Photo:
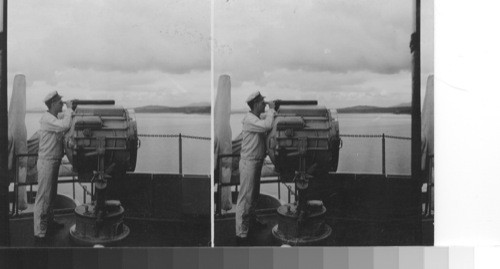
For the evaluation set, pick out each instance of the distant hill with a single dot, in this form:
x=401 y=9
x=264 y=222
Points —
x=200 y=104
x=167 y=109
x=190 y=109
x=399 y=109
x=203 y=108
x=375 y=109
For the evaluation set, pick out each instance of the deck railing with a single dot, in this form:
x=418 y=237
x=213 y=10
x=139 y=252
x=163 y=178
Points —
x=73 y=178
x=383 y=137
x=278 y=181
x=179 y=137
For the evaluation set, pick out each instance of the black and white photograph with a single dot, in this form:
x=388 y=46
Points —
x=245 y=133
x=323 y=123
x=108 y=124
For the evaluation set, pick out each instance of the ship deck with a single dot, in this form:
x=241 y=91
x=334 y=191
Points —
x=362 y=210
x=161 y=210
x=345 y=232
x=143 y=233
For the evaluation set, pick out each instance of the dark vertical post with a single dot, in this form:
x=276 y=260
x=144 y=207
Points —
x=416 y=121
x=415 y=116
x=218 y=204
x=4 y=179
x=289 y=193
x=84 y=194
x=383 y=154
x=180 y=154
x=279 y=189
x=15 y=206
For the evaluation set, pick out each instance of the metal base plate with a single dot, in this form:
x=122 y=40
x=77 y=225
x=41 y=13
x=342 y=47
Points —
x=303 y=241
x=90 y=241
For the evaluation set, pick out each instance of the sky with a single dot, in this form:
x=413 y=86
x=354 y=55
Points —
x=154 y=52
x=342 y=53
x=158 y=52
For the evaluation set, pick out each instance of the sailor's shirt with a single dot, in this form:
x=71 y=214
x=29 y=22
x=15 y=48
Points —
x=51 y=135
x=253 y=145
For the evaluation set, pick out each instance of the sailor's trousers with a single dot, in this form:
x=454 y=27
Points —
x=248 y=196
x=48 y=171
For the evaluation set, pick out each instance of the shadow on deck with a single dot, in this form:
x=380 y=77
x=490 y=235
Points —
x=161 y=210
x=143 y=233
x=363 y=210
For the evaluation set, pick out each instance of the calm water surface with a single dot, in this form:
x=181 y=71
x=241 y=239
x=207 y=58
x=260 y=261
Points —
x=361 y=155
x=358 y=155
x=162 y=154
x=364 y=155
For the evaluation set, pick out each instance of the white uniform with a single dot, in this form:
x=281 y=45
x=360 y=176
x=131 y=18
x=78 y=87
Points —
x=253 y=152
x=50 y=154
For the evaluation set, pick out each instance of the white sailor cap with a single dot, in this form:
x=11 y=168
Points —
x=54 y=96
x=254 y=96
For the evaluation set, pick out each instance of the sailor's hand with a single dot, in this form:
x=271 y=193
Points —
x=271 y=104
x=69 y=104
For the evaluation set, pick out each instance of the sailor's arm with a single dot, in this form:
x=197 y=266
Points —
x=59 y=125
x=269 y=118
x=261 y=126
x=66 y=121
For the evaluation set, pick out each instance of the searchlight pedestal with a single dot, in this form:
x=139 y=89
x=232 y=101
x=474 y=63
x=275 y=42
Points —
x=102 y=145
x=303 y=143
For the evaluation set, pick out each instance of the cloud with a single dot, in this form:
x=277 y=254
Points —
x=333 y=90
x=355 y=50
x=129 y=90
x=121 y=49
x=102 y=45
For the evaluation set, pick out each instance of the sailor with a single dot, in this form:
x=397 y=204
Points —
x=50 y=153
x=253 y=152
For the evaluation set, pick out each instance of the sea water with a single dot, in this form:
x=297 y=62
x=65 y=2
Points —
x=364 y=154
x=157 y=154
x=161 y=155
x=357 y=155
x=360 y=154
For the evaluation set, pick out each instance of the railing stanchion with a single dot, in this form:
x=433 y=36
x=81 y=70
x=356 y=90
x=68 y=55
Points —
x=219 y=199
x=84 y=194
x=383 y=154
x=15 y=206
x=74 y=194
x=279 y=189
x=289 y=198
x=218 y=205
x=296 y=193
x=180 y=153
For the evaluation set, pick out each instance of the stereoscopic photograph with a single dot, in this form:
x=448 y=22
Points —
x=323 y=123
x=108 y=117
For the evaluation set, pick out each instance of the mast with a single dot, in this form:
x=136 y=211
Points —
x=4 y=179
x=416 y=119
